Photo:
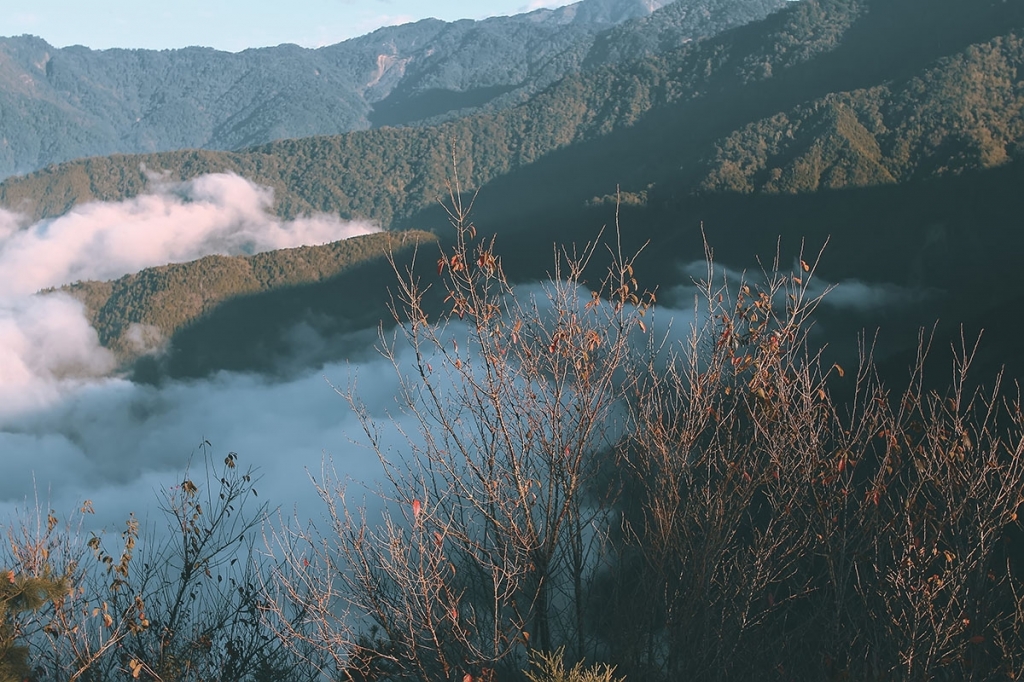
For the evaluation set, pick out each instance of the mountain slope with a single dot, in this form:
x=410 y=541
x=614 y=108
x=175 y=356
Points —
x=59 y=104
x=674 y=25
x=665 y=114
x=391 y=173
x=868 y=121
x=965 y=113
x=136 y=313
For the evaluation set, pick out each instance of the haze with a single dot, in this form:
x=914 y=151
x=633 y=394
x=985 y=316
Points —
x=232 y=25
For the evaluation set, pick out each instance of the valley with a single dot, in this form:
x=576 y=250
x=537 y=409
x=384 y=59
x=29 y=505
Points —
x=266 y=253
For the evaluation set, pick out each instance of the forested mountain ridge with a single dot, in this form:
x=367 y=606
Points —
x=819 y=100
x=715 y=90
x=60 y=104
x=137 y=313
x=674 y=25
x=965 y=113
x=390 y=173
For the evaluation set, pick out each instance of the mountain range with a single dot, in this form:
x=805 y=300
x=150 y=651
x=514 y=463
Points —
x=57 y=104
x=311 y=300
x=890 y=129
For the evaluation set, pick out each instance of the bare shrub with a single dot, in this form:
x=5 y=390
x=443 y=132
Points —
x=779 y=533
x=77 y=629
x=495 y=511
x=201 y=587
x=184 y=608
x=550 y=667
x=709 y=510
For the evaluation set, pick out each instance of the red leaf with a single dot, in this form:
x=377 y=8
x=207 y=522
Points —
x=417 y=507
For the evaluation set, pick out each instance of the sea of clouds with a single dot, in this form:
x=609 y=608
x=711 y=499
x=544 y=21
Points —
x=71 y=429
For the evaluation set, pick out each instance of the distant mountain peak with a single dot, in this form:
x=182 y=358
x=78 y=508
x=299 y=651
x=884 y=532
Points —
x=607 y=12
x=65 y=103
x=615 y=11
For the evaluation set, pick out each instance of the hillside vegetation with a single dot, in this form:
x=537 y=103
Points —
x=824 y=96
x=770 y=84
x=138 y=312
x=64 y=103
x=962 y=115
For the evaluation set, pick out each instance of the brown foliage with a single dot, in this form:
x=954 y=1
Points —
x=701 y=510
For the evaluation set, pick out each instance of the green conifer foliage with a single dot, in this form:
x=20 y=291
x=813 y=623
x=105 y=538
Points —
x=19 y=594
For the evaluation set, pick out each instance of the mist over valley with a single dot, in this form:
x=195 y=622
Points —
x=203 y=252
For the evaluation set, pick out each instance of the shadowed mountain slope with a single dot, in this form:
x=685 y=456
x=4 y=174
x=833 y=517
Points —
x=137 y=313
x=892 y=127
x=62 y=103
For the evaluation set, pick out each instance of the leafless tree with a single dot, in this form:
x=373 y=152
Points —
x=497 y=506
x=731 y=507
x=781 y=533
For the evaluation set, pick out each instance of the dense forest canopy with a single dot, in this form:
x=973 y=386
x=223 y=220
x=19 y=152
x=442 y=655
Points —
x=823 y=96
x=63 y=103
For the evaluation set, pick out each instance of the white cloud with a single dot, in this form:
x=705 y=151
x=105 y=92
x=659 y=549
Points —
x=47 y=349
x=852 y=294
x=212 y=214
x=70 y=429
x=864 y=296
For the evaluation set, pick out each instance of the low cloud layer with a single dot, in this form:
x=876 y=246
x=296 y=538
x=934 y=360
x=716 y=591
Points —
x=120 y=444
x=69 y=430
x=178 y=222
x=848 y=294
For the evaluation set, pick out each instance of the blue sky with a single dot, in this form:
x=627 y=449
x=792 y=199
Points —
x=231 y=24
